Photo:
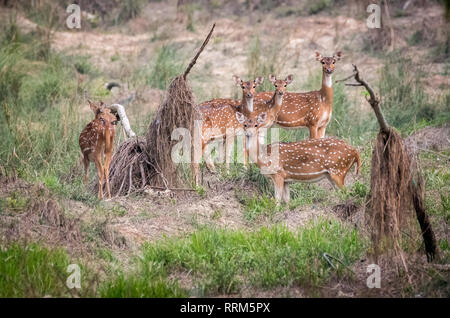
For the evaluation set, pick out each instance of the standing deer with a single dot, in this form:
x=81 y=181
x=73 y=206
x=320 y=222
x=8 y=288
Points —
x=218 y=118
x=96 y=139
x=303 y=161
x=218 y=121
x=311 y=109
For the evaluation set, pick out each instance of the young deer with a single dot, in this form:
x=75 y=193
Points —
x=303 y=161
x=96 y=139
x=311 y=109
x=218 y=118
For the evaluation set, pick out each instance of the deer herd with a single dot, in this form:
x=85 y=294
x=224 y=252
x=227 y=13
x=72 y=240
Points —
x=284 y=162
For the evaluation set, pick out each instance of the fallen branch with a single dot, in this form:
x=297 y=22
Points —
x=120 y=110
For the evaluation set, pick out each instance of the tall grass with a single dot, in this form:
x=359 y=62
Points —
x=33 y=271
x=264 y=59
x=164 y=68
x=404 y=98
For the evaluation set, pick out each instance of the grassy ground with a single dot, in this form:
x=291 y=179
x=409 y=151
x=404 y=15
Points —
x=42 y=111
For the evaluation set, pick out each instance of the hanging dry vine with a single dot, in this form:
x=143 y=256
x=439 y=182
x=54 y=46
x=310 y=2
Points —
x=396 y=184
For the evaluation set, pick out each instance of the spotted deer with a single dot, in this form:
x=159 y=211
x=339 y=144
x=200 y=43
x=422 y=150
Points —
x=312 y=109
x=303 y=161
x=219 y=121
x=96 y=140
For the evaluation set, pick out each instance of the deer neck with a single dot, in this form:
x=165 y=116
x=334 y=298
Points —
x=275 y=103
x=247 y=105
x=327 y=88
x=253 y=149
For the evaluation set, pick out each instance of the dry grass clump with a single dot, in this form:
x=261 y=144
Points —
x=147 y=161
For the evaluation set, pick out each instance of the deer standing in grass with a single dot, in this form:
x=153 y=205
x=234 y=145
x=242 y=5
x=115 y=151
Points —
x=311 y=109
x=303 y=161
x=96 y=140
x=219 y=120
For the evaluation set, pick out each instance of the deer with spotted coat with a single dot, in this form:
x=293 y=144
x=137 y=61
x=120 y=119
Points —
x=303 y=161
x=96 y=140
x=311 y=109
x=219 y=121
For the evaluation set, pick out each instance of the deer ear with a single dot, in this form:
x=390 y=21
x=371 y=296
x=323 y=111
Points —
x=289 y=79
x=318 y=56
x=259 y=80
x=94 y=107
x=262 y=118
x=102 y=106
x=272 y=78
x=240 y=117
x=237 y=80
x=337 y=56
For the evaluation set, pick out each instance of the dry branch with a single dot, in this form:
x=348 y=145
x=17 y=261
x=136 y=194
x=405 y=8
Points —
x=396 y=184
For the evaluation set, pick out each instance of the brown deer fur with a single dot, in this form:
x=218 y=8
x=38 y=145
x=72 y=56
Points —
x=304 y=161
x=311 y=109
x=96 y=139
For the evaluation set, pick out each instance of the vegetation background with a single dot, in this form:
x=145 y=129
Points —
x=228 y=237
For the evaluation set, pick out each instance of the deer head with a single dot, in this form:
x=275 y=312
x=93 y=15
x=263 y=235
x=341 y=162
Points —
x=280 y=88
x=328 y=62
x=103 y=114
x=248 y=90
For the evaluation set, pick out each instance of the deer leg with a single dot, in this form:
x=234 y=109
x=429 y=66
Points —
x=313 y=134
x=86 y=168
x=245 y=154
x=278 y=184
x=321 y=132
x=106 y=171
x=208 y=160
x=229 y=143
x=338 y=180
x=196 y=170
x=286 y=193
x=100 y=172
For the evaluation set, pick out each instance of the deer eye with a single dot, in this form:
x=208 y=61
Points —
x=285 y=85
x=276 y=86
x=256 y=126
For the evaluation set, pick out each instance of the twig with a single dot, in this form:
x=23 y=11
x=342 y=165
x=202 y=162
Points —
x=435 y=152
x=194 y=60
x=131 y=182
x=144 y=181
x=172 y=189
x=327 y=258
x=373 y=100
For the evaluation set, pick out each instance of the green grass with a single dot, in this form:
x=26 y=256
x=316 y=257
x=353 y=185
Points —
x=256 y=207
x=145 y=284
x=15 y=202
x=164 y=68
x=264 y=59
x=221 y=261
x=33 y=271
